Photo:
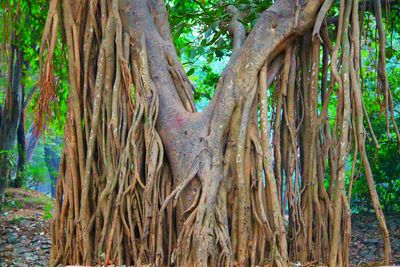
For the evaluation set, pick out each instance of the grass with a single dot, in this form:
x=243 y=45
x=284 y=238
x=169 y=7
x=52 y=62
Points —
x=30 y=200
x=16 y=219
x=48 y=211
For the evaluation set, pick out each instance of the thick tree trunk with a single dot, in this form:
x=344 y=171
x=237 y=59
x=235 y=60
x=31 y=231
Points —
x=194 y=143
x=148 y=180
x=10 y=115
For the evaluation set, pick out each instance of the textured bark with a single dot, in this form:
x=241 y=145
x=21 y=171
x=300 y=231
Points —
x=145 y=179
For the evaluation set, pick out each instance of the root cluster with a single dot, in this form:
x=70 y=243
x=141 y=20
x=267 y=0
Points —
x=256 y=178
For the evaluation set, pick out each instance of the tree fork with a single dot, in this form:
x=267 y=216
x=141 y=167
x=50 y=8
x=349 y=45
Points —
x=148 y=180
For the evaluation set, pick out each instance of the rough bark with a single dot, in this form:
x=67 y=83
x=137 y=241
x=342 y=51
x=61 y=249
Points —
x=145 y=179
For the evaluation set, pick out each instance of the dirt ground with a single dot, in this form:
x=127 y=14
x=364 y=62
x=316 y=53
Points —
x=366 y=244
x=24 y=230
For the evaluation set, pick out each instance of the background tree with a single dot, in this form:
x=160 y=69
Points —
x=145 y=179
x=22 y=27
x=10 y=112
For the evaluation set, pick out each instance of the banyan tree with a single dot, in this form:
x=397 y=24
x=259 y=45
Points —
x=255 y=178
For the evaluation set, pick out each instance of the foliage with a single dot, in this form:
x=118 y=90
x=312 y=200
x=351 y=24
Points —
x=9 y=159
x=200 y=33
x=199 y=28
x=48 y=210
x=36 y=171
x=27 y=19
x=385 y=160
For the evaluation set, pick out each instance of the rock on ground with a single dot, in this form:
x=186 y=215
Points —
x=24 y=234
x=366 y=243
x=24 y=242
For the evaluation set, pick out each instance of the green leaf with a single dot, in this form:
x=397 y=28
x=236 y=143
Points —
x=190 y=72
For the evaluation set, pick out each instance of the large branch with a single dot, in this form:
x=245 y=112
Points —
x=273 y=31
x=176 y=122
x=149 y=18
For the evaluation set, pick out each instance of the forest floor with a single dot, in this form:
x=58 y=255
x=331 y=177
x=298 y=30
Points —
x=366 y=244
x=24 y=229
x=25 y=237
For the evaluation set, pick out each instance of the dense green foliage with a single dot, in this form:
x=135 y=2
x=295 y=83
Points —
x=202 y=40
x=385 y=160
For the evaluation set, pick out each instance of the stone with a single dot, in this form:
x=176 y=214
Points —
x=7 y=247
x=12 y=238
x=21 y=250
x=6 y=254
x=30 y=257
x=370 y=257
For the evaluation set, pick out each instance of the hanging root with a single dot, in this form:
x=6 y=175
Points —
x=145 y=180
x=46 y=84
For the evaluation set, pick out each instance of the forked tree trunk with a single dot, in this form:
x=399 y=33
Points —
x=145 y=179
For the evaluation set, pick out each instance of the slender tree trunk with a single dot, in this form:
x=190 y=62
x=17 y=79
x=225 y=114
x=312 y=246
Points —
x=52 y=160
x=31 y=140
x=19 y=177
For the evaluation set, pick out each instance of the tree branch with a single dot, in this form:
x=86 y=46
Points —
x=274 y=29
x=30 y=95
x=236 y=28
x=167 y=73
